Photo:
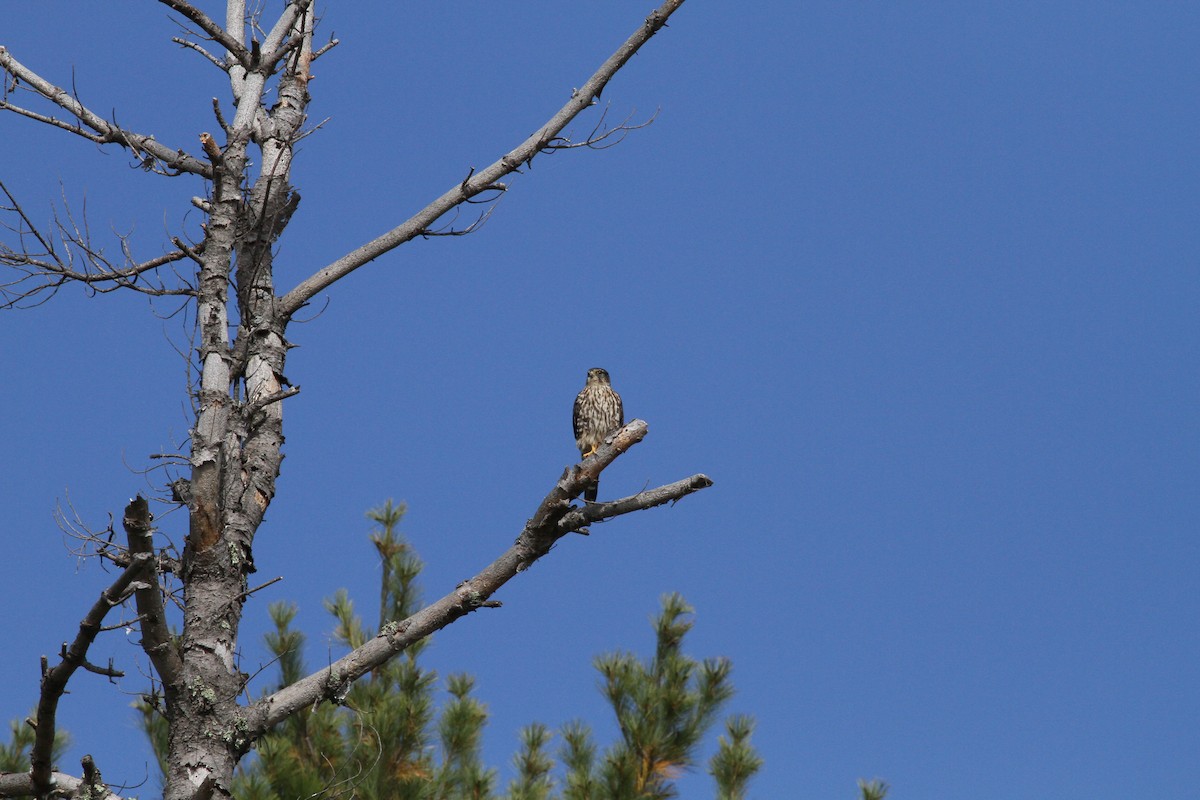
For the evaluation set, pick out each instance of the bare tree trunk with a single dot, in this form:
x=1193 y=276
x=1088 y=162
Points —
x=236 y=445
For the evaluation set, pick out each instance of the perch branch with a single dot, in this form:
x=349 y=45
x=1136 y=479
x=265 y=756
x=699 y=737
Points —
x=485 y=180
x=540 y=533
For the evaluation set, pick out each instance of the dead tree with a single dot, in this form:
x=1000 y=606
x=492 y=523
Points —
x=245 y=167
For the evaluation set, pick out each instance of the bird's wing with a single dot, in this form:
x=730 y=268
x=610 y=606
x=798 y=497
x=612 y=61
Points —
x=576 y=417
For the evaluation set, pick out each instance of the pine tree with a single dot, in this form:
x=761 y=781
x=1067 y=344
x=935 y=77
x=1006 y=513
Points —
x=390 y=741
x=874 y=789
x=736 y=760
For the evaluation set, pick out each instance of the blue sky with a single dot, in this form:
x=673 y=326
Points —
x=915 y=284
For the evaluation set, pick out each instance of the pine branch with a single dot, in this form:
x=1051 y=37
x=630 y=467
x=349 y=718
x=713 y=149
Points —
x=544 y=138
x=736 y=761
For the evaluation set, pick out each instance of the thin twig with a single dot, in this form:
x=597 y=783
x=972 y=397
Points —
x=260 y=587
x=179 y=40
x=44 y=270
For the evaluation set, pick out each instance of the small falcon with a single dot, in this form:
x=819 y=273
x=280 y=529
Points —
x=598 y=412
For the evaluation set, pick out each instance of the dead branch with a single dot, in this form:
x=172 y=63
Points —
x=175 y=160
x=545 y=137
x=54 y=681
x=548 y=524
x=41 y=267
x=578 y=519
x=325 y=48
x=53 y=121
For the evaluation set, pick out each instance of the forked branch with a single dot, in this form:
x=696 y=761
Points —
x=545 y=138
x=54 y=681
x=554 y=518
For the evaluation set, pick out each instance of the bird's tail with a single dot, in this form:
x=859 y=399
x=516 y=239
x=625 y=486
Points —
x=589 y=494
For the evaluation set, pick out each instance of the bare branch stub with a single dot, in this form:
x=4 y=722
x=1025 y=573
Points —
x=325 y=48
x=92 y=779
x=156 y=635
x=577 y=520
